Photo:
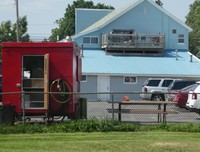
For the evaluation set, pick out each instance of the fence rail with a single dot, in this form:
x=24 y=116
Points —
x=97 y=107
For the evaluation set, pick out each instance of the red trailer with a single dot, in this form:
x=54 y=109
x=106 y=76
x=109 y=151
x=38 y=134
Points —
x=39 y=77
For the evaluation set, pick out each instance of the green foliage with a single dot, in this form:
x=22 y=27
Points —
x=193 y=20
x=88 y=126
x=9 y=129
x=66 y=25
x=8 y=31
x=94 y=125
x=184 y=128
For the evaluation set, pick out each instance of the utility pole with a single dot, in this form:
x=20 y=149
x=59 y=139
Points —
x=17 y=22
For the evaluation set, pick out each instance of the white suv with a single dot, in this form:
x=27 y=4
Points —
x=155 y=88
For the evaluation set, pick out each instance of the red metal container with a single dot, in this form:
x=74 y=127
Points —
x=37 y=69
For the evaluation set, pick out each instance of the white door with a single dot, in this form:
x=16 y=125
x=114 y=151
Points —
x=103 y=86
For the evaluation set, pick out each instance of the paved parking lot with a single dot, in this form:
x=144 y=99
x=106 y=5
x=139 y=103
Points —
x=98 y=110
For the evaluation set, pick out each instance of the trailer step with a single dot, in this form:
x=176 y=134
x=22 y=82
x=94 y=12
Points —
x=40 y=116
x=36 y=118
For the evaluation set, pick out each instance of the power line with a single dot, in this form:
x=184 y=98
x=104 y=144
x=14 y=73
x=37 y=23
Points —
x=39 y=34
x=41 y=24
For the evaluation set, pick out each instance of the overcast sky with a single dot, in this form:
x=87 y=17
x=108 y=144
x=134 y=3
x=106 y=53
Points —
x=42 y=14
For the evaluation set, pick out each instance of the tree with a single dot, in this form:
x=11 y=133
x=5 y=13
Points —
x=8 y=31
x=66 y=25
x=193 y=20
x=159 y=2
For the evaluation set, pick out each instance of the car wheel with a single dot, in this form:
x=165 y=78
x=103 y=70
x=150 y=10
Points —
x=157 y=97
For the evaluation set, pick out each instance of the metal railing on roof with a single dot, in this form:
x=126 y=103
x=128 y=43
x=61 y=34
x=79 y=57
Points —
x=133 y=42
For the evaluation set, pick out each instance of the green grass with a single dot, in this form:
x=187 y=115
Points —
x=150 y=141
x=99 y=136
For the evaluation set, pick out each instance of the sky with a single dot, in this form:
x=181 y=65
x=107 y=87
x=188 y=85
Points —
x=42 y=14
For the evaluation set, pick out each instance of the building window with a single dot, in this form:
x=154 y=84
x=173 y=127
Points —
x=86 y=40
x=84 y=78
x=181 y=38
x=94 y=40
x=90 y=40
x=143 y=38
x=128 y=79
x=174 y=31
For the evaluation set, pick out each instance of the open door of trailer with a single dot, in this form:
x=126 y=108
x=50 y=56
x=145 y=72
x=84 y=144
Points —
x=46 y=81
x=35 y=81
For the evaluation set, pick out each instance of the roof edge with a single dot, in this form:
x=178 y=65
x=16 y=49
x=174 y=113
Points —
x=144 y=75
x=126 y=9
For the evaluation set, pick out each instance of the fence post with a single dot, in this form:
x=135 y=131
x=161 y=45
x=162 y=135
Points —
x=112 y=106
x=23 y=105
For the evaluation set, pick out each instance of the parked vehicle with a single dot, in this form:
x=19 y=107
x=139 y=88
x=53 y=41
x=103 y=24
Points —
x=155 y=88
x=176 y=86
x=181 y=96
x=193 y=102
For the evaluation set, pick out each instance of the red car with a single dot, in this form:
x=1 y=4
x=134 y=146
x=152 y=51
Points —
x=182 y=96
x=176 y=86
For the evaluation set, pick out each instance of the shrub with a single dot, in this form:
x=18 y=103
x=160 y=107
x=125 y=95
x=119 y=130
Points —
x=93 y=125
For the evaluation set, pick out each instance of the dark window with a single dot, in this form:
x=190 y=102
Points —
x=174 y=31
x=153 y=83
x=86 y=40
x=181 y=38
x=181 y=84
x=166 y=83
x=129 y=79
x=133 y=79
x=90 y=40
x=181 y=41
x=143 y=38
x=94 y=40
x=122 y=31
x=191 y=87
x=84 y=78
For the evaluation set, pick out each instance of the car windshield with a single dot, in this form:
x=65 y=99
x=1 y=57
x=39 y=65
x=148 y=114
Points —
x=190 y=88
x=180 y=84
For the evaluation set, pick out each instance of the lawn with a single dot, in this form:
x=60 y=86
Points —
x=152 y=141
